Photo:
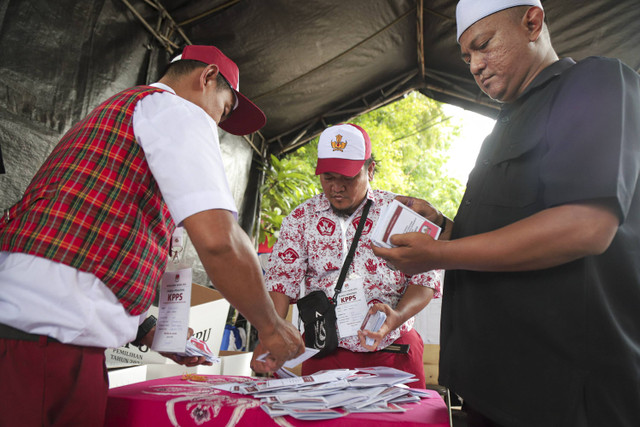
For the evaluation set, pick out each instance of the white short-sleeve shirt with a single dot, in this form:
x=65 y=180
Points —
x=181 y=146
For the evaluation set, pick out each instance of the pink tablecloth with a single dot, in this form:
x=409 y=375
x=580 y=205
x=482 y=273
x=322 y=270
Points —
x=175 y=402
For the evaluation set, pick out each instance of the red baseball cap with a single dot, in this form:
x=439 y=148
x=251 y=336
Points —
x=246 y=117
x=343 y=149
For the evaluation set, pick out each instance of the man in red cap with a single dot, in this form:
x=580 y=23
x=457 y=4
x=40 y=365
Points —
x=313 y=243
x=82 y=252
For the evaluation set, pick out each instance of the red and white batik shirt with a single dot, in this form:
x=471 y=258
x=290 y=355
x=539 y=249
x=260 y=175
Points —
x=311 y=248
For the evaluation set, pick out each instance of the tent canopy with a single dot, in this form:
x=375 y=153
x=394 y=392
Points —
x=309 y=64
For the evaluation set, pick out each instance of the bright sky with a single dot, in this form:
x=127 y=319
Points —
x=464 y=149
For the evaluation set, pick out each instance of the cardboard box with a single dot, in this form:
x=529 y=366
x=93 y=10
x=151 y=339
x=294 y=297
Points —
x=431 y=374
x=207 y=317
x=173 y=369
x=431 y=354
x=126 y=376
x=236 y=363
x=431 y=359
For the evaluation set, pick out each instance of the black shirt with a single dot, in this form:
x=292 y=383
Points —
x=546 y=347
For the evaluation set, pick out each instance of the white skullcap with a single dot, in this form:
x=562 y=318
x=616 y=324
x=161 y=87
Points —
x=469 y=12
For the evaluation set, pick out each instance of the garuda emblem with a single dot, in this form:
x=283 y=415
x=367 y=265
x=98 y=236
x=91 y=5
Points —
x=338 y=144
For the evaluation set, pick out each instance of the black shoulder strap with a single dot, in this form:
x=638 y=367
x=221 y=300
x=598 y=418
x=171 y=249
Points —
x=352 y=250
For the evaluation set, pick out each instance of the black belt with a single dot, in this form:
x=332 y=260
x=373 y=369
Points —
x=397 y=348
x=7 y=332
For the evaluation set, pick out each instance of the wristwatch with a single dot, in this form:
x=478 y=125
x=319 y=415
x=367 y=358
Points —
x=144 y=329
x=443 y=225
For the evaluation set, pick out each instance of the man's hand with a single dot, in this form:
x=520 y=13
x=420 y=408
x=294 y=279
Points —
x=428 y=211
x=187 y=360
x=390 y=324
x=415 y=253
x=257 y=365
x=423 y=207
x=546 y=239
x=181 y=360
x=283 y=342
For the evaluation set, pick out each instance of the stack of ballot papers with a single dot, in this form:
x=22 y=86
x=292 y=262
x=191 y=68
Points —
x=333 y=393
x=373 y=323
x=397 y=218
x=197 y=347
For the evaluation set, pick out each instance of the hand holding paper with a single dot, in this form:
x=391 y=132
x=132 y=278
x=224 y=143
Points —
x=308 y=353
x=422 y=207
x=197 y=347
x=284 y=344
x=196 y=353
x=397 y=218
x=413 y=253
x=374 y=327
x=373 y=322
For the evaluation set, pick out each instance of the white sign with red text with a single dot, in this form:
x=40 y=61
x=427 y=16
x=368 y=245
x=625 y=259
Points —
x=173 y=312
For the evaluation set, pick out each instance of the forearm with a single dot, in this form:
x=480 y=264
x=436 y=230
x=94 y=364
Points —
x=448 y=226
x=549 y=238
x=281 y=303
x=415 y=298
x=232 y=264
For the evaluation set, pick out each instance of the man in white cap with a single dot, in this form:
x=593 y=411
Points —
x=82 y=252
x=540 y=321
x=314 y=241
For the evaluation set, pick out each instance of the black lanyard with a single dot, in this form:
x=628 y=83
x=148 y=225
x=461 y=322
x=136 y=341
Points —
x=352 y=251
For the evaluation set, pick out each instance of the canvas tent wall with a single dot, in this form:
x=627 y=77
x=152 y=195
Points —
x=307 y=64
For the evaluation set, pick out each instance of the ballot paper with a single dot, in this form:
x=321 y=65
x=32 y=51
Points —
x=285 y=383
x=308 y=353
x=315 y=414
x=373 y=322
x=380 y=407
x=333 y=393
x=197 y=347
x=273 y=412
x=381 y=375
x=397 y=218
x=284 y=373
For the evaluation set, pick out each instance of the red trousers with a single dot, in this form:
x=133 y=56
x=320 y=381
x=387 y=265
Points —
x=346 y=359
x=51 y=384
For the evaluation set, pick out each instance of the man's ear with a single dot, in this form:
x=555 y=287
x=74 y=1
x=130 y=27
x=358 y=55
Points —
x=371 y=170
x=208 y=76
x=534 y=21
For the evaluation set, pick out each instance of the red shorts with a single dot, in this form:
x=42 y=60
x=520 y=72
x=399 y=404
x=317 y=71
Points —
x=341 y=358
x=44 y=383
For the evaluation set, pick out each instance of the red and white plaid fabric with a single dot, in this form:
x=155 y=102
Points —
x=95 y=206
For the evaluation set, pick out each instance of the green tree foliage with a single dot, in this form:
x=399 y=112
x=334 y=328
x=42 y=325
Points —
x=288 y=182
x=410 y=140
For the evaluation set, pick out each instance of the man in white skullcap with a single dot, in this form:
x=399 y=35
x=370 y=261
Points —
x=539 y=319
